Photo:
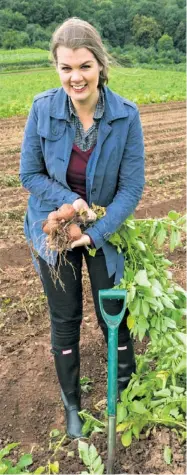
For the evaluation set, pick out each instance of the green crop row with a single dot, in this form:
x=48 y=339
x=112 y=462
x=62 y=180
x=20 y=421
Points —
x=26 y=55
x=139 y=85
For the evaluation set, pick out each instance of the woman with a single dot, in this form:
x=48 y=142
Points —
x=83 y=144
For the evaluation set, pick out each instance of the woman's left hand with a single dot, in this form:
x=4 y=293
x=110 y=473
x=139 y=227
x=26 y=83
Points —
x=83 y=241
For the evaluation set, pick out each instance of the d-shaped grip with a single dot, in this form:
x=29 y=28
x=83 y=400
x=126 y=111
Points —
x=108 y=294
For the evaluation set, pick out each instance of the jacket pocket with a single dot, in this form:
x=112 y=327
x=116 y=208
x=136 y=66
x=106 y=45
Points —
x=52 y=129
x=41 y=205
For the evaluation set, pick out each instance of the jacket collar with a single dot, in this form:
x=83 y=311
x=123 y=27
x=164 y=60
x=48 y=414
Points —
x=115 y=107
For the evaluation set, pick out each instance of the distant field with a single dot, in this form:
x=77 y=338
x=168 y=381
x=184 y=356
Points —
x=15 y=59
x=142 y=86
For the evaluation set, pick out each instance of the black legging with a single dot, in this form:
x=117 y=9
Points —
x=66 y=305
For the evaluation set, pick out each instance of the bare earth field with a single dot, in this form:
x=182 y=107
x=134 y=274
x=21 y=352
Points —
x=30 y=405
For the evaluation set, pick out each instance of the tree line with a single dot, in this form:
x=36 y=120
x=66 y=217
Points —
x=133 y=30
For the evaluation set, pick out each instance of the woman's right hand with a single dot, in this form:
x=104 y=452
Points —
x=81 y=204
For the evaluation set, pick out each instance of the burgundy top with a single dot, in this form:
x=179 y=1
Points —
x=76 y=172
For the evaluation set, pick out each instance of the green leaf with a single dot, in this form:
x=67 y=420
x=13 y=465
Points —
x=167 y=454
x=161 y=236
x=167 y=302
x=138 y=407
x=84 y=452
x=140 y=245
x=162 y=393
x=142 y=279
x=87 y=427
x=156 y=292
x=124 y=397
x=126 y=438
x=153 y=229
x=121 y=412
x=100 y=470
x=175 y=239
x=168 y=274
x=92 y=252
x=129 y=274
x=158 y=325
x=143 y=325
x=3 y=468
x=92 y=451
x=173 y=215
x=182 y=337
x=54 y=467
x=14 y=470
x=153 y=301
x=97 y=465
x=8 y=464
x=145 y=308
x=85 y=380
x=136 y=431
x=54 y=433
x=172 y=240
x=169 y=322
x=158 y=402
x=174 y=412
x=134 y=307
x=139 y=390
x=7 y=449
x=130 y=322
x=180 y=289
x=181 y=366
x=123 y=426
x=132 y=293
x=97 y=429
x=25 y=460
x=157 y=284
x=153 y=335
x=40 y=470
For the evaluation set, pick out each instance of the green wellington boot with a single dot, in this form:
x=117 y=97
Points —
x=67 y=363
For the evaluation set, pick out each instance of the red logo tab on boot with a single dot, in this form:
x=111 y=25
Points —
x=66 y=352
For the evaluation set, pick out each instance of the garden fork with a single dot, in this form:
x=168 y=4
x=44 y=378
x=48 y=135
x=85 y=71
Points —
x=113 y=322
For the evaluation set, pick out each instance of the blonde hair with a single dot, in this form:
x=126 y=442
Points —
x=75 y=33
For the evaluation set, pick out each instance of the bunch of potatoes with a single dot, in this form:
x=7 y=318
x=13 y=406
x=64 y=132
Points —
x=63 y=227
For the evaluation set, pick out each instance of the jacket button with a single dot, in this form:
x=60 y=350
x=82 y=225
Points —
x=55 y=131
x=94 y=190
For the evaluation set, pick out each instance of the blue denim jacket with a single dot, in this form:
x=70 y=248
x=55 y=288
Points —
x=114 y=174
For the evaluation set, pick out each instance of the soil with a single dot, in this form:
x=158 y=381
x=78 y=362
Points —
x=30 y=405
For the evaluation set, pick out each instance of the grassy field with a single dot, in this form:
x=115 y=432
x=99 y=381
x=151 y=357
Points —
x=139 y=85
x=15 y=59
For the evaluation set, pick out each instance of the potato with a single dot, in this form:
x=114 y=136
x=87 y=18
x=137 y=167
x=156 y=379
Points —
x=50 y=226
x=53 y=216
x=66 y=212
x=74 y=232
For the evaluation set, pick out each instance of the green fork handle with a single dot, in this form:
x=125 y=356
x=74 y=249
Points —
x=113 y=322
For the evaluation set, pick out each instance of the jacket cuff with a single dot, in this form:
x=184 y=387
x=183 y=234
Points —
x=97 y=238
x=92 y=245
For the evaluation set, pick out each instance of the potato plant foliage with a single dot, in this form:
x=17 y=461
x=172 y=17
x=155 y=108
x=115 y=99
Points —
x=157 y=309
x=156 y=304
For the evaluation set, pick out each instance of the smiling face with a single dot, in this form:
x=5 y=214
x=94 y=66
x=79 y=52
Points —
x=79 y=75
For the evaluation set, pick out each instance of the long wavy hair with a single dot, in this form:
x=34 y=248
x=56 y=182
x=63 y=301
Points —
x=75 y=33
